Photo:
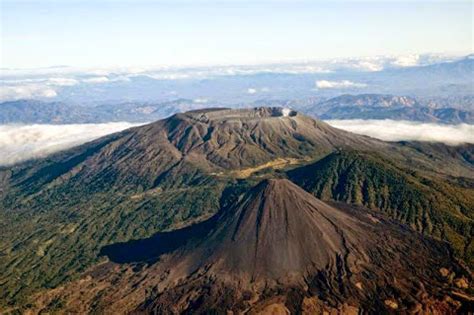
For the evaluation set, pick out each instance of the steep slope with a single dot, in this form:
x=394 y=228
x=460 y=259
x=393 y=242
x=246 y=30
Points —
x=427 y=204
x=278 y=247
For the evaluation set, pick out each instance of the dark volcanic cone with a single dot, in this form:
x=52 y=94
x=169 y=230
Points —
x=278 y=231
x=277 y=249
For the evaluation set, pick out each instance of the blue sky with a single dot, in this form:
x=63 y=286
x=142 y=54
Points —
x=126 y=33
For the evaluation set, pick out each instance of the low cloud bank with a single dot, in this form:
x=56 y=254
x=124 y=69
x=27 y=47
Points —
x=258 y=90
x=394 y=130
x=344 y=84
x=22 y=142
x=96 y=80
x=407 y=61
x=11 y=93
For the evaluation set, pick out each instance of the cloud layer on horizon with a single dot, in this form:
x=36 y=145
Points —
x=26 y=91
x=343 y=84
x=44 y=83
x=398 y=130
x=23 y=142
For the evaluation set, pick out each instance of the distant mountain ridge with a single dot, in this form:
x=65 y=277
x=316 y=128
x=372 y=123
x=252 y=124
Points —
x=375 y=106
x=40 y=112
x=347 y=106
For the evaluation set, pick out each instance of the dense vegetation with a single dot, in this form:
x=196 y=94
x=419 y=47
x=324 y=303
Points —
x=47 y=243
x=430 y=205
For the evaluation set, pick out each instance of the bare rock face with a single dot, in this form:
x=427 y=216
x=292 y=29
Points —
x=278 y=249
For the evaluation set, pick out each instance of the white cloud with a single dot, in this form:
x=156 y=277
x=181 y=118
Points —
x=62 y=81
x=96 y=80
x=168 y=76
x=49 y=93
x=256 y=90
x=406 y=61
x=11 y=90
x=121 y=78
x=22 y=142
x=393 y=130
x=344 y=84
x=27 y=91
x=200 y=100
x=368 y=65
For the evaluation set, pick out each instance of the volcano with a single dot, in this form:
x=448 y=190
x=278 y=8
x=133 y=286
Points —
x=276 y=233
x=251 y=242
x=278 y=249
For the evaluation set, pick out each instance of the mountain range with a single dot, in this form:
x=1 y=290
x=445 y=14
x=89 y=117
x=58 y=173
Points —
x=360 y=106
x=259 y=210
x=373 y=106
x=40 y=112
